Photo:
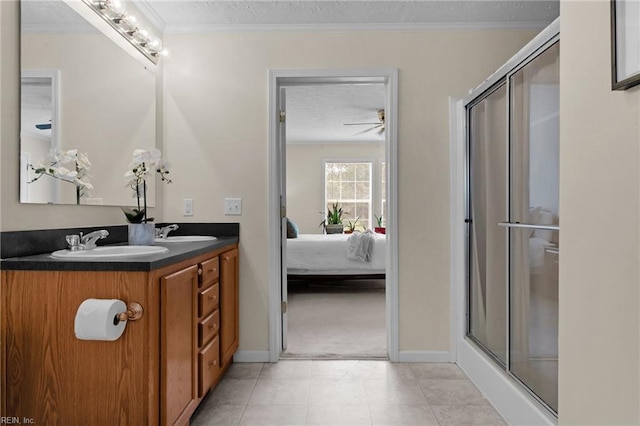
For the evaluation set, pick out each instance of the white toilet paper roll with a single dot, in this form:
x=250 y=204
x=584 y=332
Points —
x=95 y=319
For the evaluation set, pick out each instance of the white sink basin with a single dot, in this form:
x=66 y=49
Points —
x=185 y=239
x=107 y=252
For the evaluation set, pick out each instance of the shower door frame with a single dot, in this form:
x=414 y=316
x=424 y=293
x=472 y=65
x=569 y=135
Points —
x=506 y=392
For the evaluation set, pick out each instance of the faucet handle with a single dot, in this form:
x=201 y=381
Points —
x=73 y=241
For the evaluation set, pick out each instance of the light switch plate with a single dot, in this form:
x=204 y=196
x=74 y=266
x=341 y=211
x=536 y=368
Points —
x=187 y=207
x=233 y=206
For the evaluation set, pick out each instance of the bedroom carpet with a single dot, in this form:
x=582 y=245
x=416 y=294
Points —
x=336 y=320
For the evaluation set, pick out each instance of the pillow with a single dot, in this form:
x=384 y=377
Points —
x=292 y=229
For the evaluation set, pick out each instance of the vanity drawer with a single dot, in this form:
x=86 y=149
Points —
x=208 y=366
x=210 y=272
x=208 y=300
x=208 y=327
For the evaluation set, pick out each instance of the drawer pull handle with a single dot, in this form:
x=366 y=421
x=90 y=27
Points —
x=212 y=363
x=226 y=258
x=199 y=271
x=213 y=270
x=212 y=297
x=212 y=326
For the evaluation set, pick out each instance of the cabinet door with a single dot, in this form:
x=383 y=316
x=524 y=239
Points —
x=178 y=344
x=228 y=305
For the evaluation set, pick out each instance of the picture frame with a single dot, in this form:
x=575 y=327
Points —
x=625 y=44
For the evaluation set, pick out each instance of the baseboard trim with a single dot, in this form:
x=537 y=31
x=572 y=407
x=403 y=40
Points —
x=509 y=400
x=424 y=356
x=251 y=356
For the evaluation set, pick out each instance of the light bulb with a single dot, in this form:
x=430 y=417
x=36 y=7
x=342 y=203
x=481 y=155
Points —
x=142 y=36
x=113 y=8
x=155 y=44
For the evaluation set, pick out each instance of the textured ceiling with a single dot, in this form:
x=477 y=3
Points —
x=317 y=114
x=187 y=15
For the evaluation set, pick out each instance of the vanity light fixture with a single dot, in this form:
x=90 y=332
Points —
x=115 y=13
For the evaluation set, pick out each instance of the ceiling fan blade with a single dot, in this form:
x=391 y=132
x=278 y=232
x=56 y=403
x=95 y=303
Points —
x=362 y=124
x=362 y=132
x=379 y=126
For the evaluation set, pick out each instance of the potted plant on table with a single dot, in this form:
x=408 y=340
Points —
x=351 y=226
x=143 y=165
x=379 y=228
x=333 y=223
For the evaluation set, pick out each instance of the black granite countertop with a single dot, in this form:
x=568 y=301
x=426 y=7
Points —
x=177 y=252
x=31 y=250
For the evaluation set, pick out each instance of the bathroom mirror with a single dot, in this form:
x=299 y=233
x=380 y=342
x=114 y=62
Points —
x=80 y=91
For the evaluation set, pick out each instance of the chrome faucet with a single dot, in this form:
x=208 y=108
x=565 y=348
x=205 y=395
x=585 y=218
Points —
x=89 y=241
x=85 y=242
x=164 y=231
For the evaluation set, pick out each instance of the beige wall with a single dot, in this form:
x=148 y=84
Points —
x=305 y=179
x=216 y=136
x=599 y=204
x=16 y=216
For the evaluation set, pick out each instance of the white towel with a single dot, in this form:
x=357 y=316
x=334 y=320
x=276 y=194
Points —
x=360 y=246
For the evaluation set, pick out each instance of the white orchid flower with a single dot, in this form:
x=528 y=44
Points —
x=82 y=160
x=64 y=173
x=82 y=183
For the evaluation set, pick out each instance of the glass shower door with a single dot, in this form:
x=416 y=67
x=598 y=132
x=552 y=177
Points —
x=513 y=216
x=533 y=229
x=488 y=148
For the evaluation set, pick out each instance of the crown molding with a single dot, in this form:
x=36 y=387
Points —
x=341 y=28
x=150 y=13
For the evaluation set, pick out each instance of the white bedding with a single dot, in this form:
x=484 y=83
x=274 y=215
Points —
x=326 y=254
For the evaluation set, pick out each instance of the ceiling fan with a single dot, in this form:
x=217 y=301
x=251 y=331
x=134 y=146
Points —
x=378 y=127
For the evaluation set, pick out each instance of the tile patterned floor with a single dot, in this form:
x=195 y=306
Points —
x=350 y=393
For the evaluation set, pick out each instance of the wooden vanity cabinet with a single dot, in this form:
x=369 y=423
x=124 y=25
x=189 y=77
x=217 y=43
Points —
x=229 y=305
x=157 y=372
x=177 y=386
x=191 y=354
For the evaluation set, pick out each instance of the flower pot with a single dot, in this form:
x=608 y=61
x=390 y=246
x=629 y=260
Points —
x=334 y=229
x=380 y=230
x=142 y=234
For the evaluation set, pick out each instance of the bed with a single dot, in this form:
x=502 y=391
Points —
x=321 y=255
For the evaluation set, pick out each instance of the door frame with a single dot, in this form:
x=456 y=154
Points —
x=278 y=78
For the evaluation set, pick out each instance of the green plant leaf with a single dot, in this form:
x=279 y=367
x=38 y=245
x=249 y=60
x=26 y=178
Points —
x=133 y=215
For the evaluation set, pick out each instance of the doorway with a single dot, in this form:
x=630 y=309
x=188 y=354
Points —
x=279 y=304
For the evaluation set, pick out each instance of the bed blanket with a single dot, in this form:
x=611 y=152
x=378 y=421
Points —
x=360 y=246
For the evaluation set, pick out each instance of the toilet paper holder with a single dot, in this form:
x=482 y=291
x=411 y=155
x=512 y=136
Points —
x=133 y=313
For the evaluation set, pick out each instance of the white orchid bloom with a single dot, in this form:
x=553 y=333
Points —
x=67 y=156
x=82 y=160
x=64 y=173
x=82 y=183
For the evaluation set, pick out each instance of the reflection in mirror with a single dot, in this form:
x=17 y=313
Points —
x=81 y=94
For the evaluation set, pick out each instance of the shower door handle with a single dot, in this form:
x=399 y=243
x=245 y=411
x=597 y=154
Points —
x=528 y=226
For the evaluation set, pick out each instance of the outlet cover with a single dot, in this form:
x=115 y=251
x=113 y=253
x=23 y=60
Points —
x=187 y=207
x=233 y=206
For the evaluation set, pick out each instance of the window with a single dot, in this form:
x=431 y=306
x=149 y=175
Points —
x=349 y=183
